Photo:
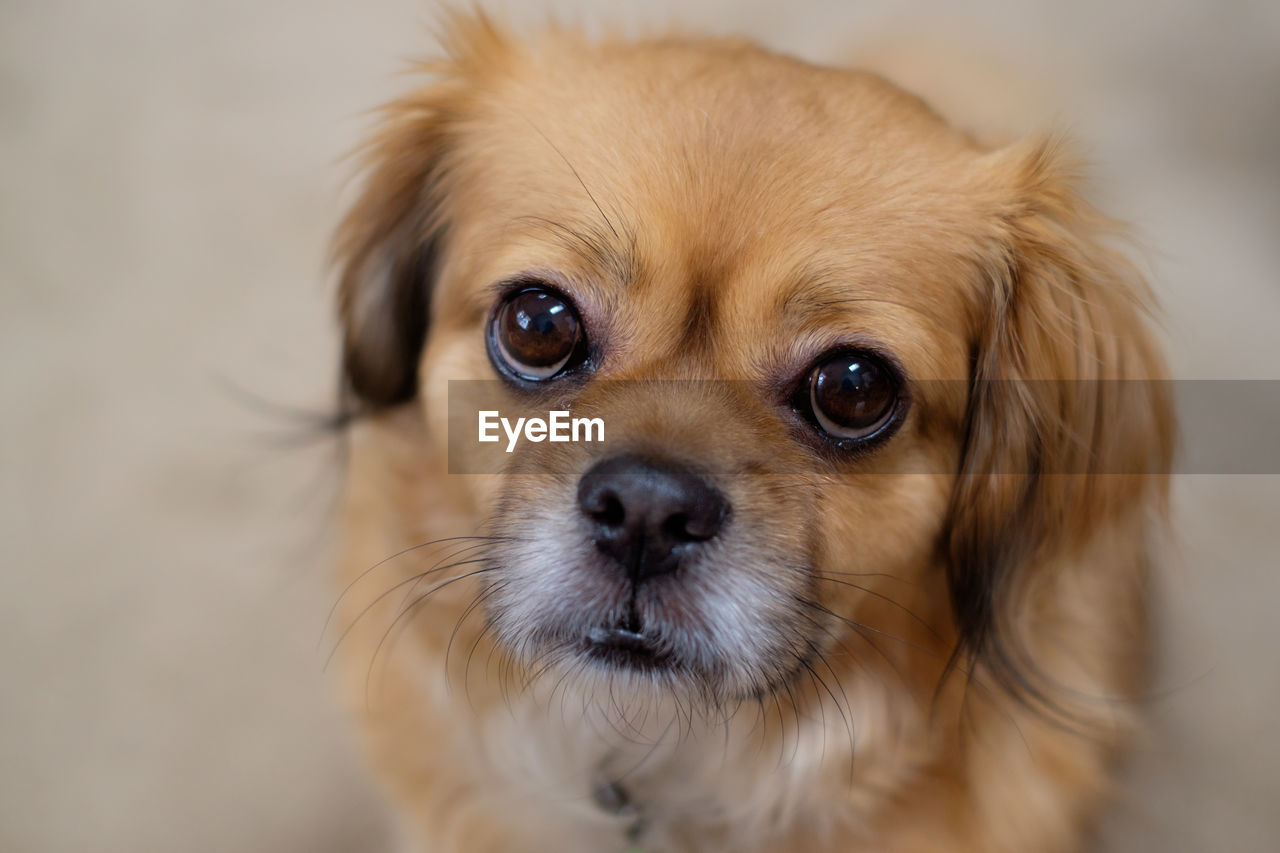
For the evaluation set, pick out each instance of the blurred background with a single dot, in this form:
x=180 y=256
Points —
x=170 y=171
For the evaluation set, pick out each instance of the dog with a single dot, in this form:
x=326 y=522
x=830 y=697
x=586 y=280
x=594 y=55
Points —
x=861 y=562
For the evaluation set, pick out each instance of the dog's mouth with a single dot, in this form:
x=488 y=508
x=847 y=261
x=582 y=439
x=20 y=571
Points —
x=624 y=648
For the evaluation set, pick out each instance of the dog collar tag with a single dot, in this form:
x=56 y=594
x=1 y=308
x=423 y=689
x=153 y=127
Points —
x=611 y=797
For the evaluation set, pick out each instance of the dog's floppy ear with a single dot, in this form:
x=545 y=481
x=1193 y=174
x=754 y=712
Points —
x=1069 y=415
x=388 y=247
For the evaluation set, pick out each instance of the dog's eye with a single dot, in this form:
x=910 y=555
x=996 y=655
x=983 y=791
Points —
x=851 y=395
x=536 y=334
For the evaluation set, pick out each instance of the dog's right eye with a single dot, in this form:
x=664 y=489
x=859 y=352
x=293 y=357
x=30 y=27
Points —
x=536 y=334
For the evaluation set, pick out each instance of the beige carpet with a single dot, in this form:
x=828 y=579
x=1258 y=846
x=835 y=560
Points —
x=170 y=175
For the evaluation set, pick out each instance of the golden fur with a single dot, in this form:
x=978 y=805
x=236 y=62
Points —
x=731 y=210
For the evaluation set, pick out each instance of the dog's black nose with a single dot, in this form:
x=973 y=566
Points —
x=646 y=513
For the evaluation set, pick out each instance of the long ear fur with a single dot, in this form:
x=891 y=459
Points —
x=1069 y=423
x=389 y=245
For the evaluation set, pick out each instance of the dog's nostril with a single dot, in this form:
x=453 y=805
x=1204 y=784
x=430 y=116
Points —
x=676 y=527
x=608 y=511
x=644 y=509
x=683 y=528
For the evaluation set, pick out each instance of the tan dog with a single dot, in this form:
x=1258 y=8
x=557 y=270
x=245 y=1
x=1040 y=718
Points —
x=867 y=576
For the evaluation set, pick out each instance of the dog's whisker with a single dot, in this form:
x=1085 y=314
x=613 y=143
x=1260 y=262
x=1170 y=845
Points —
x=814 y=680
x=551 y=697
x=885 y=575
x=841 y=707
x=487 y=626
x=452 y=555
x=418 y=602
x=413 y=579
x=862 y=626
x=889 y=600
x=347 y=589
x=782 y=731
x=846 y=713
x=485 y=632
x=475 y=604
x=838 y=639
x=859 y=627
x=552 y=659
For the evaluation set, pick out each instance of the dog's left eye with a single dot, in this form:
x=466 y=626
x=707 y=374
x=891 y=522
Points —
x=536 y=334
x=850 y=395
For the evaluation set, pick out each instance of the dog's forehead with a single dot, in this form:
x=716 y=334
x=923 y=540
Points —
x=706 y=133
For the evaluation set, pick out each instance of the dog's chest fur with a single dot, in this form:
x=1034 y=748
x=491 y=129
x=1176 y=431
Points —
x=601 y=773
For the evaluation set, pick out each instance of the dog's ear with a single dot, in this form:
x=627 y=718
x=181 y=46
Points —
x=388 y=248
x=1069 y=421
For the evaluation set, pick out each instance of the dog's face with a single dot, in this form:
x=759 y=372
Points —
x=778 y=287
